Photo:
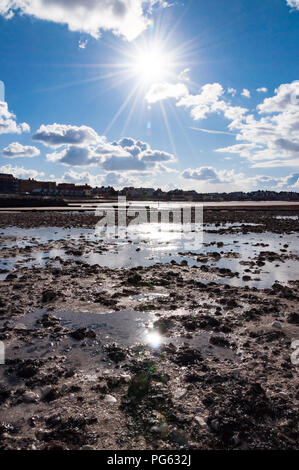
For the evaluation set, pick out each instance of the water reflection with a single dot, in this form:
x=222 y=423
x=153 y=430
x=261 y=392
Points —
x=151 y=246
x=153 y=339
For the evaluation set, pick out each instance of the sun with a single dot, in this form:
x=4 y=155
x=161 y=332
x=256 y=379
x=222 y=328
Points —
x=151 y=65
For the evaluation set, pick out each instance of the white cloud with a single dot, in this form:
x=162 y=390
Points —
x=244 y=150
x=232 y=91
x=206 y=102
x=228 y=180
x=286 y=99
x=82 y=43
x=206 y=173
x=272 y=139
x=124 y=164
x=16 y=150
x=184 y=75
x=164 y=91
x=293 y=4
x=8 y=124
x=74 y=156
x=126 y=18
x=277 y=164
x=262 y=90
x=246 y=93
x=72 y=176
x=209 y=100
x=120 y=180
x=57 y=135
x=291 y=181
x=154 y=156
x=20 y=172
x=210 y=175
x=210 y=131
x=83 y=147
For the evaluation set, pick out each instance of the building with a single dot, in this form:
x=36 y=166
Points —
x=8 y=183
x=85 y=189
x=33 y=186
x=70 y=189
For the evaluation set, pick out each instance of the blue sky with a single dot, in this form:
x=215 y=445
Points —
x=189 y=94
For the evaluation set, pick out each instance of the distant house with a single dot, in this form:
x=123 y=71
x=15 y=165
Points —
x=8 y=183
x=33 y=186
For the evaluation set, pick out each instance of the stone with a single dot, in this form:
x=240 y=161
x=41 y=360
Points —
x=179 y=393
x=110 y=399
x=200 y=421
x=30 y=397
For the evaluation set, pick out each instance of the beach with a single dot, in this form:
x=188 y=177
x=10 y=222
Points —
x=151 y=338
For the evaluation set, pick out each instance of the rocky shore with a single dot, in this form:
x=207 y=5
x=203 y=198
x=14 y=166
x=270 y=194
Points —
x=168 y=355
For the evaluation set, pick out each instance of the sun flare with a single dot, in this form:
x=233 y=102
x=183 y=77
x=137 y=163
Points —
x=151 y=65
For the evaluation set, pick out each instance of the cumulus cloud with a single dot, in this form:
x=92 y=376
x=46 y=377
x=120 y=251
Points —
x=267 y=138
x=20 y=172
x=115 y=179
x=126 y=18
x=246 y=93
x=84 y=177
x=120 y=180
x=163 y=91
x=154 y=156
x=206 y=102
x=209 y=100
x=272 y=139
x=17 y=150
x=204 y=179
x=124 y=164
x=262 y=90
x=204 y=173
x=83 y=147
x=8 y=123
x=74 y=156
x=229 y=180
x=293 y=4
x=56 y=135
x=286 y=99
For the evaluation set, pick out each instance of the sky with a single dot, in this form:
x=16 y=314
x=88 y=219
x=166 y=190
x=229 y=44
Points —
x=167 y=94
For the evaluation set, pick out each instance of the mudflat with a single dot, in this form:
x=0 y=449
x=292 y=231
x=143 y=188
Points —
x=144 y=342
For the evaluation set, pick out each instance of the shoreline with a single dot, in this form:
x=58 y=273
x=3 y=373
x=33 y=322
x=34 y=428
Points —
x=154 y=356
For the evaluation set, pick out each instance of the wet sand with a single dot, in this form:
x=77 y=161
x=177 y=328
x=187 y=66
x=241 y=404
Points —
x=144 y=342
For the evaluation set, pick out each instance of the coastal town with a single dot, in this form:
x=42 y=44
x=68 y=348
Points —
x=11 y=186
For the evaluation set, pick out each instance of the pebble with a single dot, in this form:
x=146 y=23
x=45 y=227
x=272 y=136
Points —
x=30 y=397
x=276 y=324
x=179 y=393
x=162 y=429
x=200 y=421
x=110 y=399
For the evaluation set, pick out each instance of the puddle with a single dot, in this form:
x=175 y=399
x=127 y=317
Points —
x=127 y=328
x=152 y=244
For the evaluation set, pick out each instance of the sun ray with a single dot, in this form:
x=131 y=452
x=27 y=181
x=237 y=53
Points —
x=183 y=130
x=120 y=110
x=78 y=82
x=129 y=117
x=168 y=128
